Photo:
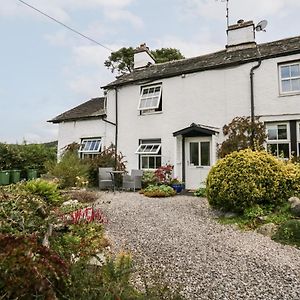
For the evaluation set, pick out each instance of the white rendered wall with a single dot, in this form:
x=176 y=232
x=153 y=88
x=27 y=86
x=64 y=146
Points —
x=211 y=97
x=141 y=59
x=241 y=35
x=69 y=132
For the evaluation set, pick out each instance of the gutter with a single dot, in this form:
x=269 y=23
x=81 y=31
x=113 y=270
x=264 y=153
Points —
x=252 y=99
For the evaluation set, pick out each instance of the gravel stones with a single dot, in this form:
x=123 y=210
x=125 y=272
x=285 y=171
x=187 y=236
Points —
x=180 y=237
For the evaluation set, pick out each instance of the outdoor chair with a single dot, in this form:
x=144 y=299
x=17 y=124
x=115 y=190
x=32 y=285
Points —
x=105 y=178
x=133 y=181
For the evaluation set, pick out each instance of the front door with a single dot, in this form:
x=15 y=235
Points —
x=198 y=156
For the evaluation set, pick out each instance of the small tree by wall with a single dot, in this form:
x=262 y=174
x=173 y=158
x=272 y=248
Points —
x=241 y=134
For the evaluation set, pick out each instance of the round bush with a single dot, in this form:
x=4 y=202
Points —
x=245 y=178
x=288 y=233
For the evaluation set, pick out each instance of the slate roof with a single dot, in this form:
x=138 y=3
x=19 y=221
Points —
x=197 y=130
x=93 y=108
x=220 y=59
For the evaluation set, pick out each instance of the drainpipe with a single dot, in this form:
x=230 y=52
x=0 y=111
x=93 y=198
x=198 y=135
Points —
x=252 y=100
x=116 y=135
x=116 y=126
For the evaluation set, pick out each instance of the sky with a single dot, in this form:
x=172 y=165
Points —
x=46 y=69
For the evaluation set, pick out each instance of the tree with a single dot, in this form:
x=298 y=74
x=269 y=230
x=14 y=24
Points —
x=241 y=134
x=122 y=60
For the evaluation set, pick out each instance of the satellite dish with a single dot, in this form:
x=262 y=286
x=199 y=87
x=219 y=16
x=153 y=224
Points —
x=261 y=25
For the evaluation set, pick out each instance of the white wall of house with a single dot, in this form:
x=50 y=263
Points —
x=69 y=132
x=212 y=97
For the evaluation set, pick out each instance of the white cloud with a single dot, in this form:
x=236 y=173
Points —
x=238 y=9
x=196 y=46
x=124 y=15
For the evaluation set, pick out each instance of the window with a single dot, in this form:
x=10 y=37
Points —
x=289 y=78
x=278 y=140
x=200 y=153
x=90 y=147
x=149 y=152
x=150 y=99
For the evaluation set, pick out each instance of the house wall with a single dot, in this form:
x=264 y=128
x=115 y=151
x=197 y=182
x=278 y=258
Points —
x=69 y=132
x=212 y=97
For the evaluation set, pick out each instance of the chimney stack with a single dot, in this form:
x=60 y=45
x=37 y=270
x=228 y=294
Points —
x=241 y=36
x=143 y=57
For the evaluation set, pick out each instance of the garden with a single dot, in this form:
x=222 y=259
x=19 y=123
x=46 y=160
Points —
x=52 y=235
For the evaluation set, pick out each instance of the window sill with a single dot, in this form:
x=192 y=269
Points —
x=289 y=94
x=151 y=113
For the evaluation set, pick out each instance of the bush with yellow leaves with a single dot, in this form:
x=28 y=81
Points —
x=245 y=178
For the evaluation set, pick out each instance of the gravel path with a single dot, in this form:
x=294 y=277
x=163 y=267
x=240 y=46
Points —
x=207 y=260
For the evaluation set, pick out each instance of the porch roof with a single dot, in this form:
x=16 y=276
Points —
x=196 y=130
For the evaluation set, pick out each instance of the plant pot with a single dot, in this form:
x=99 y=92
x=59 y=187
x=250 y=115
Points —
x=178 y=187
x=31 y=174
x=15 y=176
x=4 y=177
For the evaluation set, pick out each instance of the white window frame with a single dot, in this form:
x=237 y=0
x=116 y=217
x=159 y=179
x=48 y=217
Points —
x=200 y=153
x=279 y=141
x=143 y=147
x=85 y=141
x=150 y=96
x=288 y=78
x=147 y=150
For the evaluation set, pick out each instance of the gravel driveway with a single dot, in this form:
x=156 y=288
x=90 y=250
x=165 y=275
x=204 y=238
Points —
x=180 y=236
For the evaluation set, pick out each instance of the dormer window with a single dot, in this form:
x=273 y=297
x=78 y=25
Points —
x=289 y=78
x=150 y=99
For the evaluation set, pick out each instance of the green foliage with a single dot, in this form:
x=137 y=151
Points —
x=166 y=54
x=107 y=158
x=200 y=192
x=68 y=169
x=288 y=233
x=122 y=60
x=246 y=178
x=21 y=212
x=149 y=178
x=46 y=189
x=59 y=269
x=257 y=215
x=253 y=212
x=79 y=241
x=241 y=134
x=26 y=156
x=28 y=269
x=159 y=191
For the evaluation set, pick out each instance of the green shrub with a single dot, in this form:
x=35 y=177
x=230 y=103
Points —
x=200 y=192
x=288 y=233
x=159 y=191
x=68 y=169
x=29 y=270
x=149 y=178
x=47 y=190
x=246 y=178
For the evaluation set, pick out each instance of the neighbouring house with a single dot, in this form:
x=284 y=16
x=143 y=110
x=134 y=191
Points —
x=86 y=125
x=173 y=113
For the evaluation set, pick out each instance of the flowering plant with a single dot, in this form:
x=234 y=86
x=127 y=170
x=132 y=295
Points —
x=164 y=174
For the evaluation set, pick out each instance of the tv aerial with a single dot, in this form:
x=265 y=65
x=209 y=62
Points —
x=227 y=10
x=261 y=26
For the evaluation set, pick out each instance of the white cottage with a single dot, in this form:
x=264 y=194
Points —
x=173 y=113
